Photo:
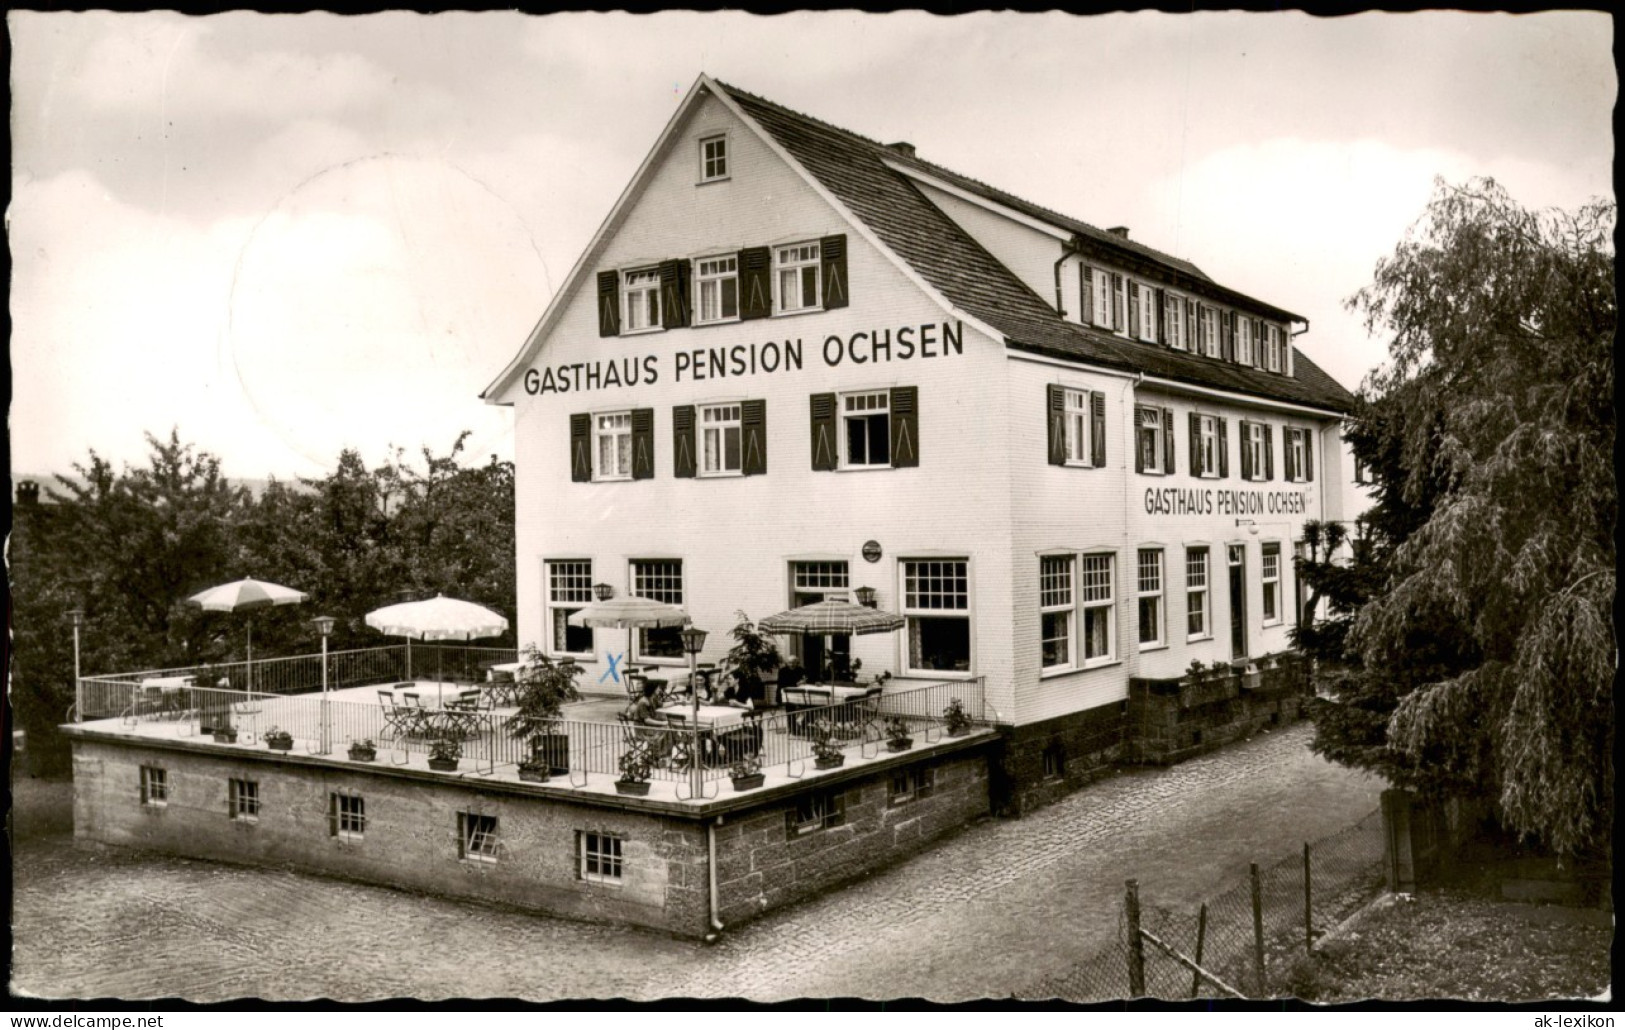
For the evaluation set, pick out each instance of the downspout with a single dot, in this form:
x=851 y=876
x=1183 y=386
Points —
x=1068 y=249
x=711 y=876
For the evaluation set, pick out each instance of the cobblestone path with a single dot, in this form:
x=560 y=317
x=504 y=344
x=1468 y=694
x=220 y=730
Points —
x=1001 y=908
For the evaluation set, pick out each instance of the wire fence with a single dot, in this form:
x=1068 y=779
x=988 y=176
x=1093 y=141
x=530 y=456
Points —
x=1244 y=942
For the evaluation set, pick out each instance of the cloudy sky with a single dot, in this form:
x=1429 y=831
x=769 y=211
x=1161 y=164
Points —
x=288 y=235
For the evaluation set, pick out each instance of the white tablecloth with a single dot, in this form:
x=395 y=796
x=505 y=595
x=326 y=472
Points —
x=711 y=716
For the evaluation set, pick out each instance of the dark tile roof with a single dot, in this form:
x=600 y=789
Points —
x=853 y=169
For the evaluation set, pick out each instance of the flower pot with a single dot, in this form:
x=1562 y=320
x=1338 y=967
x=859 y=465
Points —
x=363 y=754
x=553 y=750
x=639 y=788
x=443 y=764
x=900 y=745
x=832 y=762
x=280 y=745
x=533 y=773
x=750 y=782
x=958 y=731
x=225 y=736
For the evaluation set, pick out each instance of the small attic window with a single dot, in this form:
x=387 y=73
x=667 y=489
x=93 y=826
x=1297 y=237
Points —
x=713 y=158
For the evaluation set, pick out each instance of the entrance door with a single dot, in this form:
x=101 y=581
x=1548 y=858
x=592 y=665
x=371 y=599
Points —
x=1238 y=601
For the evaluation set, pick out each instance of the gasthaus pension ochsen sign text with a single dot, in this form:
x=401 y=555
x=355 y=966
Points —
x=1176 y=501
x=879 y=346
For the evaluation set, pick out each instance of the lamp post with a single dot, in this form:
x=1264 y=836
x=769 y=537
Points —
x=324 y=625
x=694 y=643
x=78 y=617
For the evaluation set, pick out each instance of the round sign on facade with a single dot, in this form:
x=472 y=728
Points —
x=871 y=551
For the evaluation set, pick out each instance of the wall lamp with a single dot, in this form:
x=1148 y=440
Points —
x=1251 y=524
x=603 y=591
x=866 y=596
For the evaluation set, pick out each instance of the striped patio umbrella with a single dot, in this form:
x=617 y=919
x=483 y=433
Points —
x=246 y=595
x=828 y=617
x=629 y=613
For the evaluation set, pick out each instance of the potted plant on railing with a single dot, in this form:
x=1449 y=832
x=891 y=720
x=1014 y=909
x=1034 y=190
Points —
x=363 y=751
x=278 y=739
x=226 y=733
x=897 y=735
x=754 y=658
x=635 y=773
x=444 y=753
x=955 y=719
x=543 y=687
x=746 y=773
x=827 y=754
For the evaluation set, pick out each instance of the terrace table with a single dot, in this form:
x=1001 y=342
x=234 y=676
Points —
x=823 y=695
x=172 y=693
x=726 y=733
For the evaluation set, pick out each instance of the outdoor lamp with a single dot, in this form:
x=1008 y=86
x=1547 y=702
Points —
x=694 y=643
x=866 y=596
x=693 y=639
x=78 y=617
x=1251 y=524
x=324 y=624
x=603 y=591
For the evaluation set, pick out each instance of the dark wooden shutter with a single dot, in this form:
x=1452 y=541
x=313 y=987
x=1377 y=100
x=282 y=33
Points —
x=1308 y=455
x=1246 y=438
x=1055 y=414
x=674 y=300
x=1134 y=309
x=1196 y=444
x=684 y=461
x=1097 y=429
x=1086 y=295
x=824 y=441
x=1223 y=446
x=609 y=304
x=1134 y=442
x=643 y=443
x=332 y=814
x=1168 y=440
x=1161 y=304
x=1192 y=341
x=1117 y=301
x=755 y=282
x=1289 y=465
x=1227 y=335
x=581 y=448
x=905 y=427
x=753 y=437
x=832 y=252
x=1269 y=451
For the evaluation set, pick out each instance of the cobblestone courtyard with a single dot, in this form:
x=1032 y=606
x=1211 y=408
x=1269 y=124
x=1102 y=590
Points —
x=994 y=910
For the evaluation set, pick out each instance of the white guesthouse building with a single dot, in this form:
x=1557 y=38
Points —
x=795 y=362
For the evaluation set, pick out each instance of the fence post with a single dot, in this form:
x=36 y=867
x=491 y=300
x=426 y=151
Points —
x=1136 y=946
x=1258 y=931
x=1308 y=906
x=1201 y=937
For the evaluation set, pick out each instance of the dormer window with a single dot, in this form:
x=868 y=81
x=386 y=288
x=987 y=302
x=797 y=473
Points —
x=713 y=158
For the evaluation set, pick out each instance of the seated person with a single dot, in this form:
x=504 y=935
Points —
x=736 y=697
x=644 y=709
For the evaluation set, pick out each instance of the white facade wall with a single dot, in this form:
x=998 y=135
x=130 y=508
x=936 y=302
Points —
x=1026 y=251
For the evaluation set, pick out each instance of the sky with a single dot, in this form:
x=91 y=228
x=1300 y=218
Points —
x=288 y=235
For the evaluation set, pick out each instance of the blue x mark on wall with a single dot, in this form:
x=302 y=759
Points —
x=613 y=672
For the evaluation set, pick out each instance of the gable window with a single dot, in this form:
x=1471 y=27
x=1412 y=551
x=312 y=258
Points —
x=1196 y=592
x=1149 y=593
x=243 y=800
x=1055 y=607
x=795 y=280
x=719 y=439
x=569 y=589
x=816 y=811
x=477 y=837
x=868 y=429
x=612 y=433
x=659 y=580
x=1148 y=312
x=640 y=300
x=1099 y=623
x=602 y=859
x=713 y=158
x=1271 y=579
x=346 y=815
x=1174 y=322
x=154 y=786
x=718 y=284
x=1151 y=439
x=936 y=603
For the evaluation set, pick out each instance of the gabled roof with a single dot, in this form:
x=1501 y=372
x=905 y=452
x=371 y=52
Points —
x=854 y=170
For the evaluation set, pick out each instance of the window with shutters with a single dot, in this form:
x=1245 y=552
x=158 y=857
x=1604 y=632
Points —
x=1207 y=439
x=601 y=857
x=717 y=287
x=1174 y=328
x=1244 y=340
x=1210 y=332
x=1148 y=312
x=1078 y=428
x=477 y=839
x=1056 y=611
x=659 y=580
x=1272 y=348
x=1119 y=304
x=243 y=800
x=640 y=301
x=796 y=278
x=1256 y=441
x=612 y=443
x=1099 y=610
x=154 y=786
x=569 y=589
x=1101 y=282
x=1148 y=592
x=1197 y=625
x=713 y=158
x=936 y=604
x=719 y=440
x=1296 y=445
x=1150 y=440
x=1270 y=577
x=347 y=815
x=866 y=419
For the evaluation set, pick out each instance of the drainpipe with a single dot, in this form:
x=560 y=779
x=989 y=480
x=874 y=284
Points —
x=711 y=875
x=1068 y=249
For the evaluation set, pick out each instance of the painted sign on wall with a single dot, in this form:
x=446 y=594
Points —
x=1179 y=501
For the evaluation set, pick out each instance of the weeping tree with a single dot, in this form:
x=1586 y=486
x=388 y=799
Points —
x=1483 y=660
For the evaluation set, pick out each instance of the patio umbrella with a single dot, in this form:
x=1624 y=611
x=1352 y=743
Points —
x=829 y=617
x=438 y=618
x=246 y=595
x=629 y=613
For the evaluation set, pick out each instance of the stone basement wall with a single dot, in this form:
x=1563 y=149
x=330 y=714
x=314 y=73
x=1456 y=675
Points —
x=1081 y=748
x=1169 y=721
